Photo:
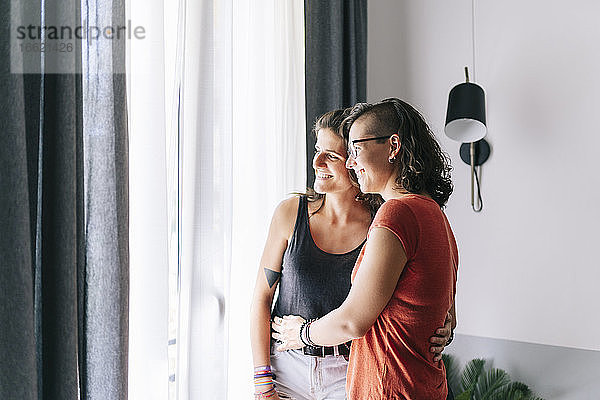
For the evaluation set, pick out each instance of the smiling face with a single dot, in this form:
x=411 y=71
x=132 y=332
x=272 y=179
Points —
x=371 y=164
x=331 y=174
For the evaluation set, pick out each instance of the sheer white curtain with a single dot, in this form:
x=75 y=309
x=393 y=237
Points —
x=268 y=153
x=150 y=79
x=206 y=196
x=242 y=151
x=216 y=96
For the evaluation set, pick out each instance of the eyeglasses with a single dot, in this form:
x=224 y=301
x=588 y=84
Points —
x=352 y=150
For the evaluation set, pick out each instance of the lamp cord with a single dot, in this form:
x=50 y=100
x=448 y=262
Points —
x=480 y=200
x=473 y=36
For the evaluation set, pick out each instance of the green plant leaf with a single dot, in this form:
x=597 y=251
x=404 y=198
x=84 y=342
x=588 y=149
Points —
x=495 y=384
x=515 y=391
x=452 y=372
x=471 y=374
x=490 y=383
x=519 y=391
x=466 y=395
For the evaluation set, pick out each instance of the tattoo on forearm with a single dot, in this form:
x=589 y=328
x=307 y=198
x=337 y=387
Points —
x=272 y=277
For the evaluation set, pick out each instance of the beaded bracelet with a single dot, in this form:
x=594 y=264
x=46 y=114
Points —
x=305 y=335
x=307 y=329
x=450 y=338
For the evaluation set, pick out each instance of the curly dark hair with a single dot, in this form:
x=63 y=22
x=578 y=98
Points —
x=422 y=166
x=333 y=120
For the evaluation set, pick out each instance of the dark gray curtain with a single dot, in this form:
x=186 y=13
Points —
x=106 y=206
x=336 y=60
x=49 y=269
x=18 y=378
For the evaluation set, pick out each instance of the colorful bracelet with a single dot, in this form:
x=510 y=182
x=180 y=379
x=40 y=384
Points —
x=269 y=393
x=264 y=387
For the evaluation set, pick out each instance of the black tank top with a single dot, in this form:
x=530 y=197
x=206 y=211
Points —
x=313 y=282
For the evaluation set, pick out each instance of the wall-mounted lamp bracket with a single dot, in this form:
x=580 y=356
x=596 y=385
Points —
x=482 y=152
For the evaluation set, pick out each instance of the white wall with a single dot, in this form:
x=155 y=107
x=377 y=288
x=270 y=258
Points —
x=528 y=269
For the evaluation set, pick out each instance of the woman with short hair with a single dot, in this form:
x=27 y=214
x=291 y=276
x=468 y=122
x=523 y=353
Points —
x=404 y=280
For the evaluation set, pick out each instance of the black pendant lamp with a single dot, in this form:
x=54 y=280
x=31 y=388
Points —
x=465 y=123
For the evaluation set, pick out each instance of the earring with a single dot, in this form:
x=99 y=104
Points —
x=392 y=160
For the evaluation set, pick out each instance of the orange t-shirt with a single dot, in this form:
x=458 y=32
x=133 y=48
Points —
x=393 y=361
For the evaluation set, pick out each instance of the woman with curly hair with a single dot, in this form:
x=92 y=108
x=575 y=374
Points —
x=404 y=280
x=313 y=244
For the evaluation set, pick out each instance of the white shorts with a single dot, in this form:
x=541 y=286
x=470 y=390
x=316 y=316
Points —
x=302 y=377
